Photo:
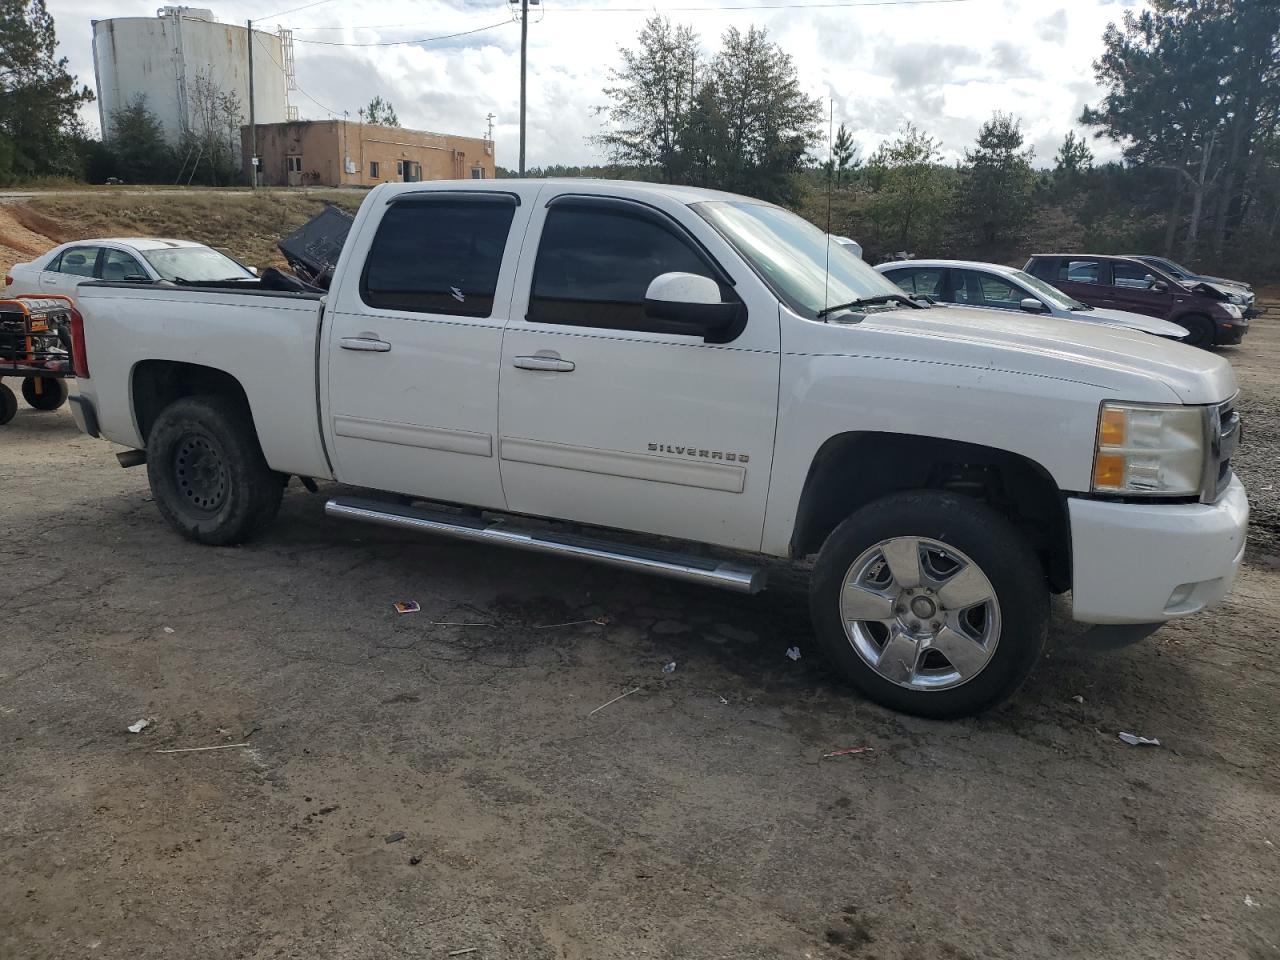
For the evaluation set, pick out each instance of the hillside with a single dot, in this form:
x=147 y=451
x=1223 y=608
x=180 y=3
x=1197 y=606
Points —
x=244 y=223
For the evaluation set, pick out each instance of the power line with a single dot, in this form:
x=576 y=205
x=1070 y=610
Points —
x=844 y=4
x=272 y=57
x=403 y=43
x=305 y=6
x=841 y=4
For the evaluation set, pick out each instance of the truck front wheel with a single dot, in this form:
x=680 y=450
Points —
x=207 y=472
x=931 y=603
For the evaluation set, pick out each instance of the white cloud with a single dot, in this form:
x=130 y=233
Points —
x=946 y=67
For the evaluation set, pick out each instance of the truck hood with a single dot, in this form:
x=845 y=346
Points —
x=1106 y=356
x=1224 y=282
x=1131 y=321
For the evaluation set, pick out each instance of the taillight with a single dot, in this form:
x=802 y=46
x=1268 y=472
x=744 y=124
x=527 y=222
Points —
x=79 y=358
x=8 y=280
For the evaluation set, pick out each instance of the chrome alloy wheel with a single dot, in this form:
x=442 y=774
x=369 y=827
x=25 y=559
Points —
x=920 y=613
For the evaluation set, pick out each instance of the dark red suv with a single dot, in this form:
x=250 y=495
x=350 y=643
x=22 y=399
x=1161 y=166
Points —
x=1123 y=283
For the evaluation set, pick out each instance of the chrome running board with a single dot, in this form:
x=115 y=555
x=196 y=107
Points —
x=663 y=563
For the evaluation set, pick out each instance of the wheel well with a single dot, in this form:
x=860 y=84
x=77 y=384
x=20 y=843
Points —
x=158 y=383
x=854 y=469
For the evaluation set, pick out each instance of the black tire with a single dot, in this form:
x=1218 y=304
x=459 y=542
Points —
x=207 y=472
x=1202 y=332
x=8 y=404
x=52 y=395
x=987 y=540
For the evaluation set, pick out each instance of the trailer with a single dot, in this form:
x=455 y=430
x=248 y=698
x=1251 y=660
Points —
x=35 y=340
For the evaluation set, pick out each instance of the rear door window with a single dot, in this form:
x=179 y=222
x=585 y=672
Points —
x=78 y=261
x=439 y=254
x=1082 y=271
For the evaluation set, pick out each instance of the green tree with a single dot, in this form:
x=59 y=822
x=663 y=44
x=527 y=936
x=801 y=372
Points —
x=381 y=112
x=739 y=122
x=1193 y=87
x=1074 y=156
x=844 y=154
x=137 y=140
x=651 y=99
x=39 y=99
x=998 y=180
x=912 y=196
x=770 y=123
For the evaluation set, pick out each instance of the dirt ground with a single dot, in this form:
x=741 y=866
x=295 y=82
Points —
x=695 y=818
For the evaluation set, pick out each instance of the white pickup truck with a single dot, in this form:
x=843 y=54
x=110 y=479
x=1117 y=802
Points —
x=705 y=368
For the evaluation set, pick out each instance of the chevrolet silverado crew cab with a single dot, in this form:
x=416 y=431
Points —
x=522 y=359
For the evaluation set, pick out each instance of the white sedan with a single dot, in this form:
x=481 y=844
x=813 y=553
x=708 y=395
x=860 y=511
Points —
x=992 y=286
x=132 y=259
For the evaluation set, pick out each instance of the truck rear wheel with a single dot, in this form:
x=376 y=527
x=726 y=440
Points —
x=207 y=471
x=931 y=603
x=52 y=395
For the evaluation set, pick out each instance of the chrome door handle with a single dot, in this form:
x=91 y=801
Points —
x=551 y=364
x=367 y=344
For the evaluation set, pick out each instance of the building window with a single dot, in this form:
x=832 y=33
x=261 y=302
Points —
x=293 y=163
x=477 y=173
x=399 y=168
x=373 y=169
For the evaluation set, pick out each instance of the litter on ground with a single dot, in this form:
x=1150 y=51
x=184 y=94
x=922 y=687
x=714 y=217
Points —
x=407 y=606
x=847 y=752
x=139 y=725
x=793 y=653
x=1133 y=740
x=613 y=701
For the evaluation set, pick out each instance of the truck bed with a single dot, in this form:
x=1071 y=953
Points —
x=268 y=340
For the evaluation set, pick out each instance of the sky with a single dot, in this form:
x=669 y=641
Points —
x=944 y=65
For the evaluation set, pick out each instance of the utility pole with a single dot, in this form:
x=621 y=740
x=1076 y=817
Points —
x=524 y=53
x=489 y=135
x=253 y=126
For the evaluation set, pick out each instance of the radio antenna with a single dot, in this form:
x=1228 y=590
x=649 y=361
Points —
x=831 y=169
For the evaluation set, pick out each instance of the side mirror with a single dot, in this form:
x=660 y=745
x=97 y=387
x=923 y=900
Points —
x=1032 y=305
x=691 y=304
x=253 y=270
x=1159 y=286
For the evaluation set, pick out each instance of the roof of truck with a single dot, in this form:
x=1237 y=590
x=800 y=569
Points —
x=680 y=194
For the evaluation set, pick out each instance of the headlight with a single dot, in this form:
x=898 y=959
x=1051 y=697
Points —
x=1234 y=298
x=1233 y=311
x=1149 y=450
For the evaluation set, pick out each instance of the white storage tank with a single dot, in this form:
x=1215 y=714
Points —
x=169 y=58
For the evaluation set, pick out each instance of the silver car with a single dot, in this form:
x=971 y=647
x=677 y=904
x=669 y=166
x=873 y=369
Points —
x=992 y=286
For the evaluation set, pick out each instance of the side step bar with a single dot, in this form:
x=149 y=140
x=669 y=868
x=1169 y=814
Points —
x=664 y=563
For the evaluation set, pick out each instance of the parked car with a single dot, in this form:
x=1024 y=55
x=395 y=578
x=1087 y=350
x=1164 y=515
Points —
x=134 y=260
x=991 y=286
x=1123 y=283
x=688 y=364
x=1239 y=292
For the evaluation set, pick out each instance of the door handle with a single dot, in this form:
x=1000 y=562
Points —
x=550 y=364
x=367 y=344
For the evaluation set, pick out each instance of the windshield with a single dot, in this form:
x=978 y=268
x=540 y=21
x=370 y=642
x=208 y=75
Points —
x=1052 y=294
x=195 y=263
x=1176 y=269
x=792 y=255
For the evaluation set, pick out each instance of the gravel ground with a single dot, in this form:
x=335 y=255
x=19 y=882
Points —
x=695 y=818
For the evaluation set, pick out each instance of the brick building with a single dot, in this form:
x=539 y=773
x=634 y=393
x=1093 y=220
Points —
x=339 y=153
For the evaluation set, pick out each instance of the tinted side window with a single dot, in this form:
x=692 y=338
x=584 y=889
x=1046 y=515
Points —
x=118 y=265
x=79 y=261
x=922 y=281
x=1080 y=271
x=594 y=267
x=1132 y=276
x=438 y=256
x=988 y=290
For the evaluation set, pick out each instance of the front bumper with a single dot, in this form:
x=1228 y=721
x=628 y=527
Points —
x=1150 y=562
x=1230 y=331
